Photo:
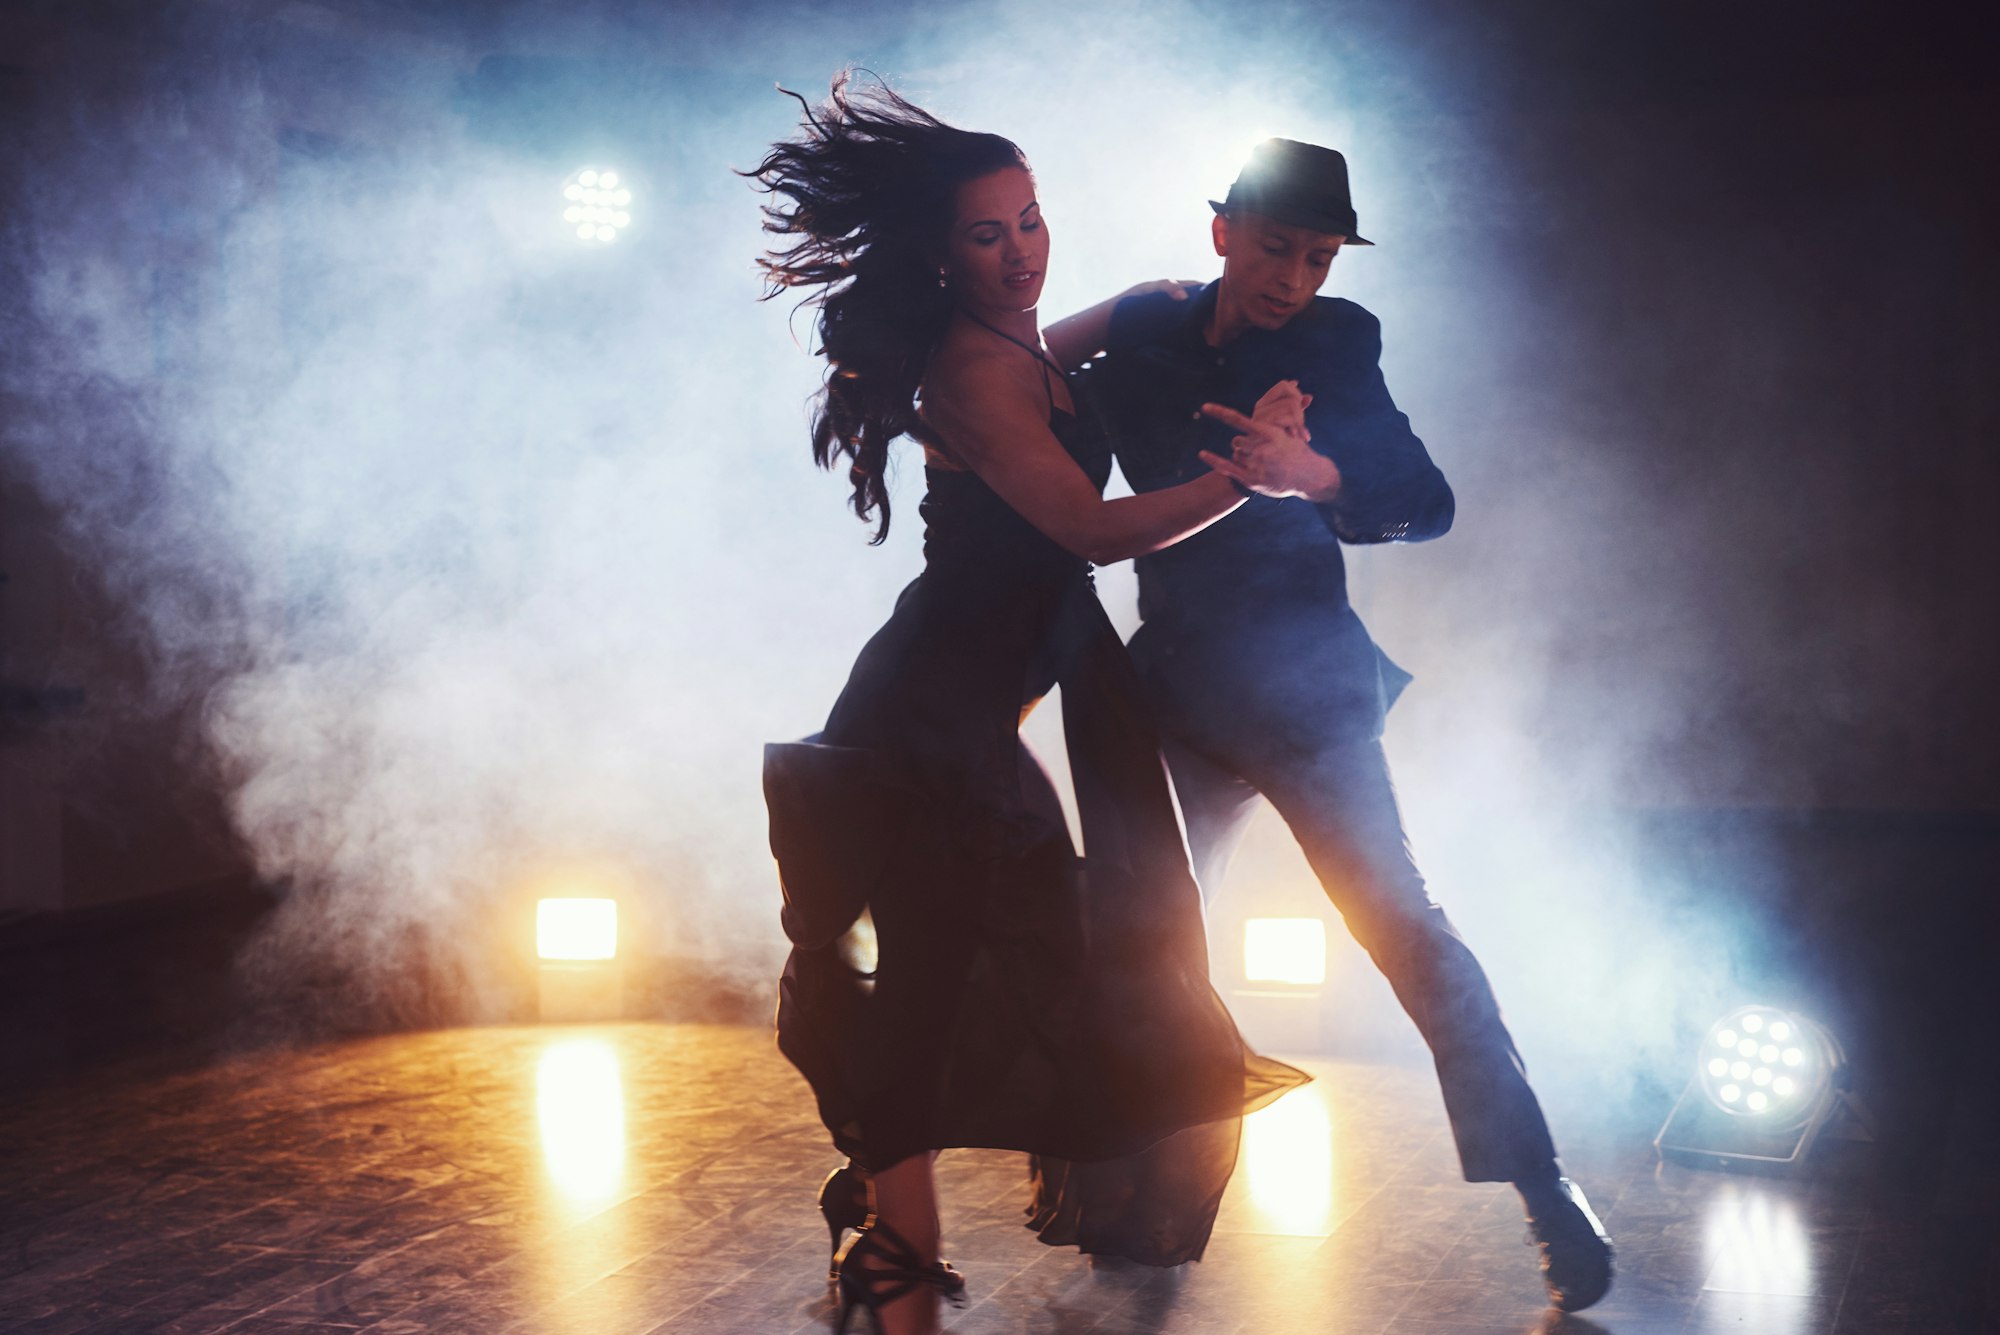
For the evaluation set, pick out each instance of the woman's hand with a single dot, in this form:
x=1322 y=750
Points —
x=1177 y=288
x=1272 y=456
x=1284 y=406
x=1076 y=339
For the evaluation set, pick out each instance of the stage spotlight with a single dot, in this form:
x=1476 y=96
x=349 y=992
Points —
x=1740 y=1050
x=576 y=941
x=1284 y=950
x=597 y=205
x=576 y=929
x=1769 y=1082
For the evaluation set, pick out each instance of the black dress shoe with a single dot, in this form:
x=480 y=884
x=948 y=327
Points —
x=1576 y=1251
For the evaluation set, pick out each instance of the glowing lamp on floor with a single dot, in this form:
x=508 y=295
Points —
x=576 y=942
x=1290 y=951
x=1766 y=1083
x=1278 y=1002
x=576 y=929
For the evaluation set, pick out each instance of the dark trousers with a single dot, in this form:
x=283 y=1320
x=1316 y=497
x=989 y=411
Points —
x=1337 y=797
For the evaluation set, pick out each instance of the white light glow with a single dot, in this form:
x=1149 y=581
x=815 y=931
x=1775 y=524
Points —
x=576 y=929
x=580 y=1105
x=1288 y=1163
x=1284 y=950
x=1757 y=1243
x=600 y=211
x=1760 y=1075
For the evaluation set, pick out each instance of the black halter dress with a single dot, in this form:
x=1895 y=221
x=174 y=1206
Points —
x=1016 y=996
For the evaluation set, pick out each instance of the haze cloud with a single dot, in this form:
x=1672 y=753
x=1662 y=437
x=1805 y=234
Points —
x=492 y=557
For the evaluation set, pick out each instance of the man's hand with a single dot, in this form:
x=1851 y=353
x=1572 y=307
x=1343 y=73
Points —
x=1272 y=456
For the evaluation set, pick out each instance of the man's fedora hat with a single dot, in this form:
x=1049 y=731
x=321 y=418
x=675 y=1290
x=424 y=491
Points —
x=1300 y=184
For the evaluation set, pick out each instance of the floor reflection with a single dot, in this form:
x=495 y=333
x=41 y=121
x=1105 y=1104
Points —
x=580 y=1106
x=1757 y=1242
x=652 y=1179
x=1288 y=1164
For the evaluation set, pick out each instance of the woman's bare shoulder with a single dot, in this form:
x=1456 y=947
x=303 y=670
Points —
x=965 y=376
x=973 y=399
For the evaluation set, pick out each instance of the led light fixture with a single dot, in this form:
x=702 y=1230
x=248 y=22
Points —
x=597 y=205
x=1766 y=1083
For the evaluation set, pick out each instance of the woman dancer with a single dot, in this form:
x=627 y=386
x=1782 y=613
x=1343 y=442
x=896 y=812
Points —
x=1019 y=997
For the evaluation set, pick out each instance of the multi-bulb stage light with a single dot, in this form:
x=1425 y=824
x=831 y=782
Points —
x=1769 y=1081
x=598 y=205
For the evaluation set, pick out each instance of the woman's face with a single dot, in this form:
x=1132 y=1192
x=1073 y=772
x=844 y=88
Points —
x=999 y=246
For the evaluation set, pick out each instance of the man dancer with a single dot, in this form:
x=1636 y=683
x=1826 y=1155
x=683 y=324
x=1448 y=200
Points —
x=1264 y=680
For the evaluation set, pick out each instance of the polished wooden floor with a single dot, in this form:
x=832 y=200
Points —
x=653 y=1177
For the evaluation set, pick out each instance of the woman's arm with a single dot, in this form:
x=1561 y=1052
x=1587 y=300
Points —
x=996 y=424
x=1075 y=339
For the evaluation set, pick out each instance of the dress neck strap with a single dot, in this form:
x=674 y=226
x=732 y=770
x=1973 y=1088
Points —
x=1039 y=354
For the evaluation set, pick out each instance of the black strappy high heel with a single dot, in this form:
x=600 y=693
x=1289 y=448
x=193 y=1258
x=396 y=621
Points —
x=843 y=1203
x=899 y=1273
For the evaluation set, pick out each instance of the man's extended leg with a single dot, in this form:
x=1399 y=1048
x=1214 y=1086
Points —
x=1216 y=807
x=1341 y=806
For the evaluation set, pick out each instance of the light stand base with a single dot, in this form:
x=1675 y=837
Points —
x=1701 y=1136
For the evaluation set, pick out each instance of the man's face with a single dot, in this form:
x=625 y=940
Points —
x=1270 y=270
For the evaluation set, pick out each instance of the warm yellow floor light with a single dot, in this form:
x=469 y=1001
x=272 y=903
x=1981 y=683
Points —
x=580 y=1106
x=1284 y=950
x=576 y=940
x=576 y=929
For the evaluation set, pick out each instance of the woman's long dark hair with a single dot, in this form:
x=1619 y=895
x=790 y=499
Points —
x=868 y=190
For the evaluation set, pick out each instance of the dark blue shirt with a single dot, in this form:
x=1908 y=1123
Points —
x=1157 y=371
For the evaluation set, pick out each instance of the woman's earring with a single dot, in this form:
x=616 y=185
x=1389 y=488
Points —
x=941 y=281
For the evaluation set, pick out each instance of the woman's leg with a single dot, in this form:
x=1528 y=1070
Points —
x=905 y=1198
